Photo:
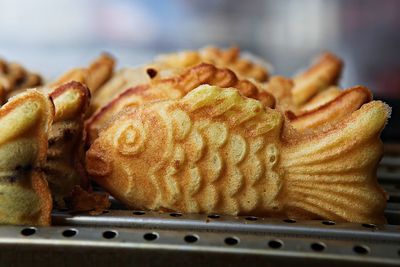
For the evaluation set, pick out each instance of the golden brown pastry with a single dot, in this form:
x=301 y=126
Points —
x=217 y=151
x=120 y=81
x=174 y=88
x=24 y=194
x=281 y=88
x=94 y=76
x=322 y=74
x=15 y=78
x=332 y=112
x=321 y=98
x=228 y=58
x=71 y=101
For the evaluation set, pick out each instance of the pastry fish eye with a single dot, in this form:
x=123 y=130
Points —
x=130 y=138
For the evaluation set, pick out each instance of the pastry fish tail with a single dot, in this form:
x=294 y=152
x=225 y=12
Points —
x=332 y=174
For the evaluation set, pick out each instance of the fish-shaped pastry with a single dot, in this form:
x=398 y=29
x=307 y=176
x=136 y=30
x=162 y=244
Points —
x=229 y=58
x=63 y=168
x=217 y=151
x=324 y=73
x=174 y=88
x=25 y=122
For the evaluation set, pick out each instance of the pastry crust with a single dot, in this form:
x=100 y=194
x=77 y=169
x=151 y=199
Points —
x=332 y=112
x=228 y=58
x=321 y=98
x=322 y=74
x=94 y=76
x=65 y=153
x=120 y=81
x=174 y=88
x=25 y=197
x=217 y=151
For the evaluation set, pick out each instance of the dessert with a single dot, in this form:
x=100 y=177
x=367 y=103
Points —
x=65 y=153
x=217 y=151
x=173 y=88
x=25 y=124
x=228 y=58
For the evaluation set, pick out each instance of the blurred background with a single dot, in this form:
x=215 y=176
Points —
x=51 y=36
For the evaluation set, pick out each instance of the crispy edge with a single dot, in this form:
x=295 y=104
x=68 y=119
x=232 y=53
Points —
x=324 y=72
x=222 y=58
x=328 y=114
x=100 y=71
x=76 y=74
x=83 y=92
x=321 y=98
x=231 y=58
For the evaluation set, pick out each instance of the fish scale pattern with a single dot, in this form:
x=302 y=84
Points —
x=212 y=150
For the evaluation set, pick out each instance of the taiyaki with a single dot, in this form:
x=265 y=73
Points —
x=333 y=111
x=174 y=88
x=215 y=151
x=94 y=76
x=228 y=58
x=323 y=73
x=65 y=151
x=24 y=194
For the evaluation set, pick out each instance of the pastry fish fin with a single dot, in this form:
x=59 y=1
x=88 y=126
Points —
x=332 y=112
x=331 y=174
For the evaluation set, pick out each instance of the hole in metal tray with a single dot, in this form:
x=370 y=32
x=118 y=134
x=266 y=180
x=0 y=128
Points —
x=110 y=234
x=28 y=231
x=150 y=236
x=361 y=249
x=369 y=225
x=175 y=214
x=275 y=244
x=191 y=238
x=70 y=232
x=328 y=222
x=231 y=241
x=318 y=247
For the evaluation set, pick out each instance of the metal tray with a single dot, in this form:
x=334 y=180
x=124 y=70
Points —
x=121 y=237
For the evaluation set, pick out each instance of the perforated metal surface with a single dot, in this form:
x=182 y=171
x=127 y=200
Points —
x=121 y=237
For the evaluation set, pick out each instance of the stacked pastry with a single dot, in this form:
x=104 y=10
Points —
x=198 y=132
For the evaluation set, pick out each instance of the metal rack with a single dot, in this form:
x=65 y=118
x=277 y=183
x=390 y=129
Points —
x=121 y=237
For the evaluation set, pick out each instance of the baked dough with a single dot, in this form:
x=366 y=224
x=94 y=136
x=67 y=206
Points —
x=25 y=122
x=217 y=151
